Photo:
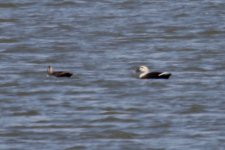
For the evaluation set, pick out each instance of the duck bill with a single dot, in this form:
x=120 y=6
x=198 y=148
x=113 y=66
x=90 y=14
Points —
x=137 y=70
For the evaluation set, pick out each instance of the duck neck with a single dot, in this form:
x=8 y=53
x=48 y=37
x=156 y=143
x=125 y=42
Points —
x=143 y=74
x=50 y=70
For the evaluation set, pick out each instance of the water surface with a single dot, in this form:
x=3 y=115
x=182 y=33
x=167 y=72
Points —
x=104 y=105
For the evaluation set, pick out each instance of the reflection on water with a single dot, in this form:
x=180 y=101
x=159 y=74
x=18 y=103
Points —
x=104 y=105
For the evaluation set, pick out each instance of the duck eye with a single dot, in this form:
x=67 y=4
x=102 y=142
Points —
x=142 y=68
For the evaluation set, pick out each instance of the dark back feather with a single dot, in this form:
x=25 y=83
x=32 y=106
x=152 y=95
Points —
x=156 y=75
x=62 y=74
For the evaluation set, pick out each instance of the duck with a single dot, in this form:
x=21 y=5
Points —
x=58 y=73
x=145 y=73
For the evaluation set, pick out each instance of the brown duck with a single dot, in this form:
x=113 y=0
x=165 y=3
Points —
x=58 y=73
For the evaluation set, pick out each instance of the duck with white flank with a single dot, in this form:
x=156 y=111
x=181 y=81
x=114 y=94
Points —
x=145 y=73
x=58 y=73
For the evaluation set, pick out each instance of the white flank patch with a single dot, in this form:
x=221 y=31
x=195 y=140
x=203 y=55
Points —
x=164 y=73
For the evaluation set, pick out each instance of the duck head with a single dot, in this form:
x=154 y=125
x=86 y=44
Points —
x=143 y=69
x=50 y=70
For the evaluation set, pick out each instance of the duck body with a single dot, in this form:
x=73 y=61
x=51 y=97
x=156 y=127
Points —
x=145 y=73
x=61 y=74
x=58 y=73
x=156 y=75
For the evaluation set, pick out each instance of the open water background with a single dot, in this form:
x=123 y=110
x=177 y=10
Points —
x=104 y=106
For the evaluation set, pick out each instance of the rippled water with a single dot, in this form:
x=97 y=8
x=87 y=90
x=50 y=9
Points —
x=104 y=105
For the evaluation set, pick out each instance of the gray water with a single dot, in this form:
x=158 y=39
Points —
x=104 y=106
